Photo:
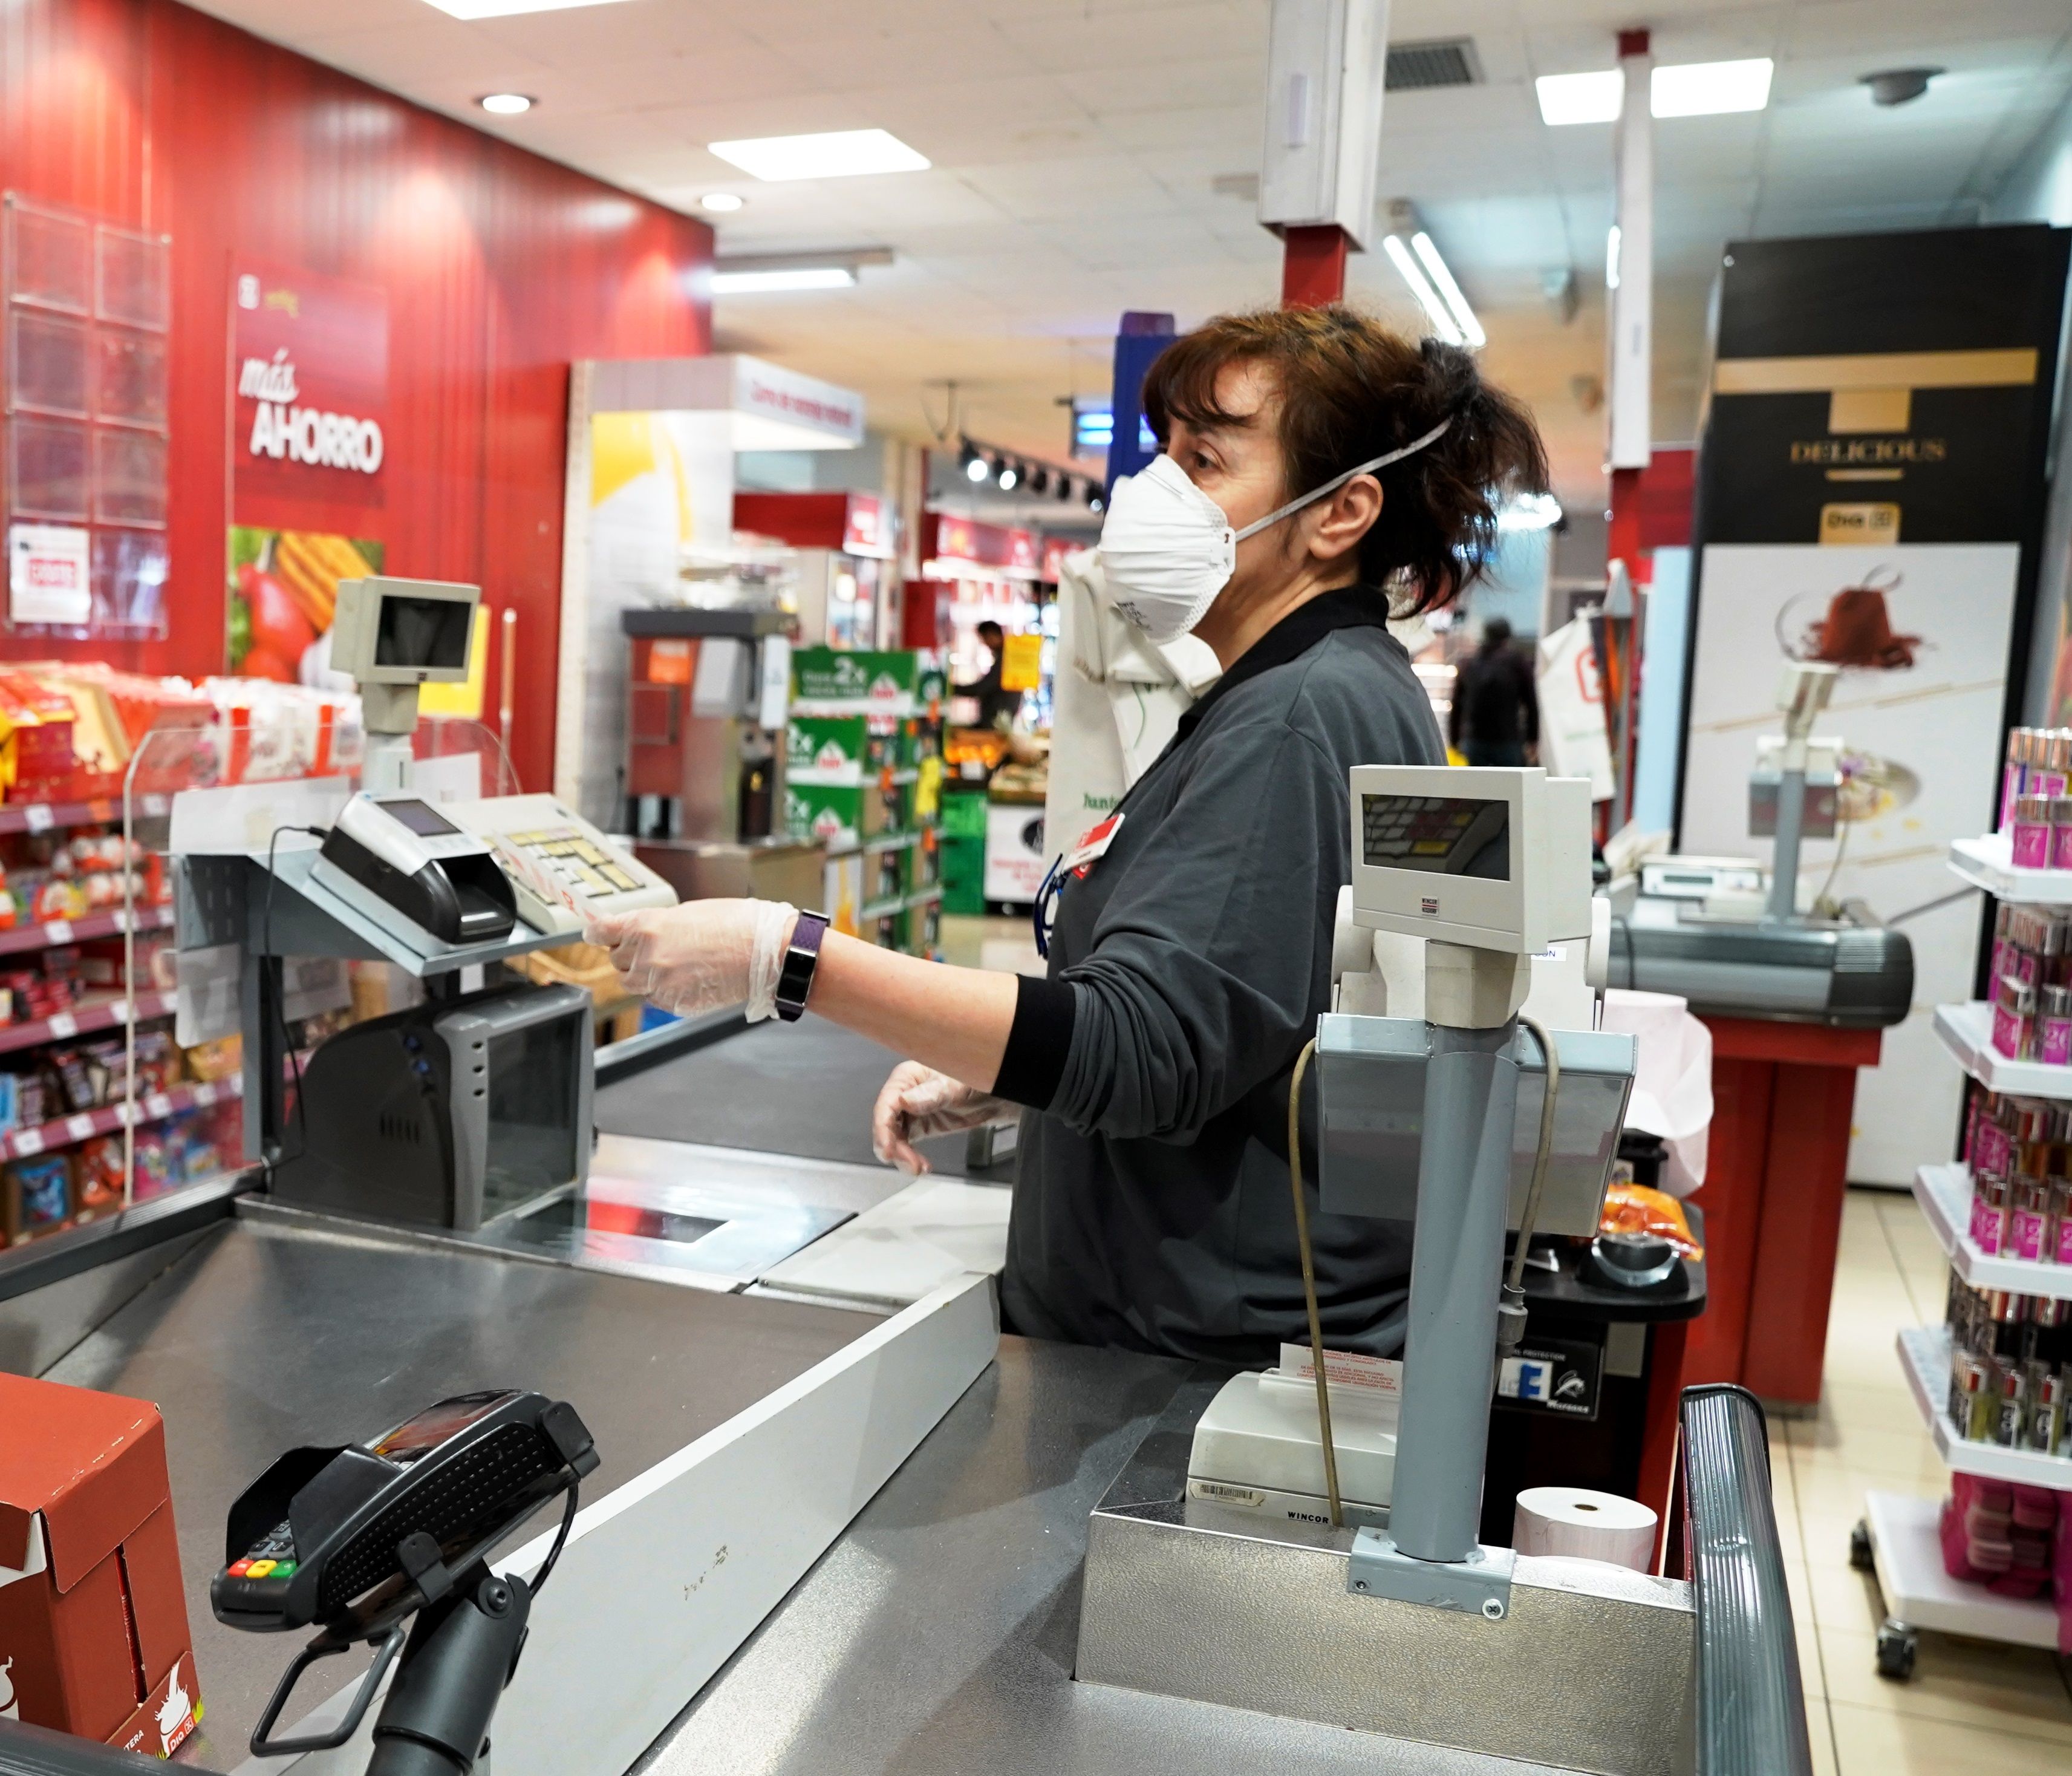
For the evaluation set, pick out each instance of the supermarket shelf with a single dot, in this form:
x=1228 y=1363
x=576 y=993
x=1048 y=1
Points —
x=1906 y=1547
x=901 y=903
x=1987 y=863
x=84 y=1020
x=849 y=777
x=69 y=1131
x=44 y=816
x=1944 y=1192
x=1924 y=1355
x=1966 y=1032
x=77 y=931
x=883 y=841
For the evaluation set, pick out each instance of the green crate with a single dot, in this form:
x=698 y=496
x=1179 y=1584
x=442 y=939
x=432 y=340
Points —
x=964 y=815
x=963 y=863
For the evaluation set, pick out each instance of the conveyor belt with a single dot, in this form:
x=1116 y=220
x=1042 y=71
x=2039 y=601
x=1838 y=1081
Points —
x=265 y=1336
x=804 y=1088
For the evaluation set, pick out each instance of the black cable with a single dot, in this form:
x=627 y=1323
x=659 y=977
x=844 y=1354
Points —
x=561 y=1538
x=280 y=1003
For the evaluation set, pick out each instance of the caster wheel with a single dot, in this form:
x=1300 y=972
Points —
x=1896 y=1644
x=1860 y=1548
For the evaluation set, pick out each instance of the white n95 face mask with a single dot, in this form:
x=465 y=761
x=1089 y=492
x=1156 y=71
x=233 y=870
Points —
x=1167 y=549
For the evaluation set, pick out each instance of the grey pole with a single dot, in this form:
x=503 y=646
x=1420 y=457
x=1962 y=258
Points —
x=1784 y=860
x=1455 y=1273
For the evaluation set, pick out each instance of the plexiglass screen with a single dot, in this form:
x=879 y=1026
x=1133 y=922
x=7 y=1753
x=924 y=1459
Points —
x=1441 y=835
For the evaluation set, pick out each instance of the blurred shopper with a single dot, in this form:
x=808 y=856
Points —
x=1495 y=719
x=997 y=707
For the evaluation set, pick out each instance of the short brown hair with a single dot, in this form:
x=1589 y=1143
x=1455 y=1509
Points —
x=1351 y=389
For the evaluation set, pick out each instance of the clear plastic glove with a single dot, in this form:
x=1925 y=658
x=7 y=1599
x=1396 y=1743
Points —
x=918 y=1102
x=700 y=956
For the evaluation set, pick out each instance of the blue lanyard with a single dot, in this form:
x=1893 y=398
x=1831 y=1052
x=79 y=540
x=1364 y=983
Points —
x=1044 y=914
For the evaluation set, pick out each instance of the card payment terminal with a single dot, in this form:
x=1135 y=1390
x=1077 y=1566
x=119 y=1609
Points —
x=408 y=856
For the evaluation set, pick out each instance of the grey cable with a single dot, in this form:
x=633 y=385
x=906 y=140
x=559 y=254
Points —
x=1541 y=1154
x=1309 y=1282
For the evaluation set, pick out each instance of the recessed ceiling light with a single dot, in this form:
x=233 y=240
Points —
x=786 y=277
x=835 y=153
x=1705 y=89
x=505 y=105
x=1595 y=97
x=504 y=9
x=721 y=203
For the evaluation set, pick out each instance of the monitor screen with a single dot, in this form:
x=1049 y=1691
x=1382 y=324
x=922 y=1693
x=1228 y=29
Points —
x=425 y=633
x=1441 y=835
x=417 y=818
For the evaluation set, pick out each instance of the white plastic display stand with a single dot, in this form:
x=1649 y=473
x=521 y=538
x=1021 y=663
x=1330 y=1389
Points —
x=1899 y=1537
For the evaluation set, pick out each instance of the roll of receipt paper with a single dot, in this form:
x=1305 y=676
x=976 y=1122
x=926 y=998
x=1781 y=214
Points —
x=1582 y=1524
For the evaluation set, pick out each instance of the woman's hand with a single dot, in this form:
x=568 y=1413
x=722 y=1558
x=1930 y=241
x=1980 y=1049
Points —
x=702 y=955
x=918 y=1102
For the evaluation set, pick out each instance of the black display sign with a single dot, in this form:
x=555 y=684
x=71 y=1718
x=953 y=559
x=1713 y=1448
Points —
x=1560 y=1374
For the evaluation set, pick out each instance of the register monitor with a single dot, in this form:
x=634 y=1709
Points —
x=390 y=631
x=1492 y=859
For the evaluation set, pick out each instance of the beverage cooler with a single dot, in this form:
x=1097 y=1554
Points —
x=849 y=585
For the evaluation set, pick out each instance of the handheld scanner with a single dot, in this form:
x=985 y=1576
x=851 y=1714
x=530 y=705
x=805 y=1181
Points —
x=314 y=1539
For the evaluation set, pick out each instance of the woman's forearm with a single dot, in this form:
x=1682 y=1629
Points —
x=955 y=1020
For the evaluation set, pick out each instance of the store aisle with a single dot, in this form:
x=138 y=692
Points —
x=1988 y=1710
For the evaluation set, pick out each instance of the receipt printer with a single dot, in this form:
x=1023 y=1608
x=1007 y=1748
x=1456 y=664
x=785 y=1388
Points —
x=413 y=860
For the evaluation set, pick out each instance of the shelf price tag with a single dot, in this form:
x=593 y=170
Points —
x=118 y=1012
x=38 y=818
x=204 y=1095
x=80 y=1126
x=155 y=805
x=59 y=931
x=158 y=1105
x=29 y=1140
x=64 y=1025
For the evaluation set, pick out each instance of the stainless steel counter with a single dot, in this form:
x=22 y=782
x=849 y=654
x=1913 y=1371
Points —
x=265 y=1337
x=936 y=1638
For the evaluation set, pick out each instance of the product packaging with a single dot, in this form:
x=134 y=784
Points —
x=93 y=1613
x=35 y=1199
x=2032 y=832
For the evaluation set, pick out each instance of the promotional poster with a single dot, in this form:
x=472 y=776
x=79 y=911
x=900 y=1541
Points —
x=1921 y=633
x=283 y=591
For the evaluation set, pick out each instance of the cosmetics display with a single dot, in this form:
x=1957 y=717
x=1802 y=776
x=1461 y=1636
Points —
x=2038 y=770
x=2030 y=976
x=2010 y=1368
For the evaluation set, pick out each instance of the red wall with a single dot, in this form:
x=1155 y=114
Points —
x=500 y=269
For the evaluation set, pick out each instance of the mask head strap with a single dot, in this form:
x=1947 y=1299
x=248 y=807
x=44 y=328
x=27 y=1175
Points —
x=1332 y=486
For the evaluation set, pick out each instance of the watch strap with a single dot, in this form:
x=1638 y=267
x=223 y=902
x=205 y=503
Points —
x=801 y=957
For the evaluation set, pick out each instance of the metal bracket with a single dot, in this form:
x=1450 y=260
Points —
x=1480 y=1585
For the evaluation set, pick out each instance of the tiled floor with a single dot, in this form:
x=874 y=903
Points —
x=1981 y=1709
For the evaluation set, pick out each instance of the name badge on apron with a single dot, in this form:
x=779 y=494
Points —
x=1092 y=846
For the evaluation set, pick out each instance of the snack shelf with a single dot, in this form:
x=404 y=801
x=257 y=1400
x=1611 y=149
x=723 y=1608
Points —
x=69 y=1131
x=1966 y=1031
x=110 y=1013
x=1907 y=1552
x=901 y=903
x=883 y=841
x=1944 y=1192
x=53 y=932
x=1924 y=1355
x=46 y=817
x=1987 y=863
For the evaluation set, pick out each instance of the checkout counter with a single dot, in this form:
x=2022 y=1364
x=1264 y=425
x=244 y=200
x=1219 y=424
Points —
x=842 y=1524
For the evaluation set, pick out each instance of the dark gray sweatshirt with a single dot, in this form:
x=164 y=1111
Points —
x=1187 y=968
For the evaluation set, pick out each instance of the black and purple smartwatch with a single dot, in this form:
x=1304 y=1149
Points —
x=794 y=980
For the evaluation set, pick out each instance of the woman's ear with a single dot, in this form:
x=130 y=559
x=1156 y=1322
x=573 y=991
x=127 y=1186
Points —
x=1346 y=517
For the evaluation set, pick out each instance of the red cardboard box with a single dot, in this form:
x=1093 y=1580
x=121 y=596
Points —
x=93 y=1621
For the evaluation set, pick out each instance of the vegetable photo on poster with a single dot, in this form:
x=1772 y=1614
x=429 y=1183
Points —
x=283 y=589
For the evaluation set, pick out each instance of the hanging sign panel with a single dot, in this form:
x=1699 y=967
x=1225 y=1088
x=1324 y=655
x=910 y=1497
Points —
x=310 y=388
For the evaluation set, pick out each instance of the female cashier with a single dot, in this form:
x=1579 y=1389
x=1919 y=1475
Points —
x=1319 y=473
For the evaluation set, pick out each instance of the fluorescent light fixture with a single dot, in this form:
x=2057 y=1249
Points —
x=835 y=154
x=506 y=8
x=1705 y=89
x=1442 y=281
x=721 y=202
x=1596 y=97
x=782 y=279
x=1612 y=256
x=1435 y=311
x=1529 y=512
x=505 y=105
x=1688 y=89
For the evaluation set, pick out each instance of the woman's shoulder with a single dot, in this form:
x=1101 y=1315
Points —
x=1355 y=696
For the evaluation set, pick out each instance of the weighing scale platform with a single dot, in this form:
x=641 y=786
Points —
x=265 y=1335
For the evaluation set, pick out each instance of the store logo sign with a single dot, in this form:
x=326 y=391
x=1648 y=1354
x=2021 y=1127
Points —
x=282 y=429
